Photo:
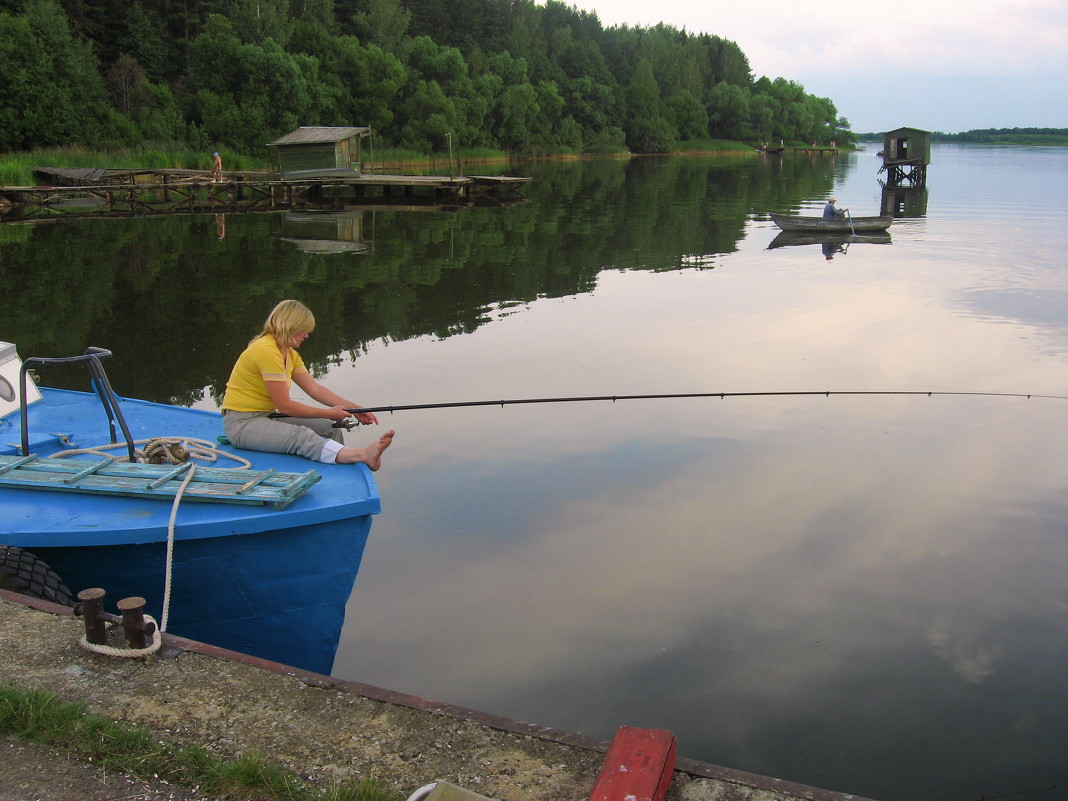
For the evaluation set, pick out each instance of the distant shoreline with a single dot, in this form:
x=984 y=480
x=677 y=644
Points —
x=990 y=136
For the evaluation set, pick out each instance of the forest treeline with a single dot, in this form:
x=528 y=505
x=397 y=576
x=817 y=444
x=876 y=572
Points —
x=992 y=136
x=501 y=74
x=1007 y=136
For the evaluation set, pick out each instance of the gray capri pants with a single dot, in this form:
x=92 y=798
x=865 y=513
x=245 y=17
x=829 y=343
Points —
x=255 y=431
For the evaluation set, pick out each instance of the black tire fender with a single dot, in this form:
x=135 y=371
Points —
x=22 y=572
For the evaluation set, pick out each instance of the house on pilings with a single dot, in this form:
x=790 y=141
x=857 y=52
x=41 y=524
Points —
x=906 y=154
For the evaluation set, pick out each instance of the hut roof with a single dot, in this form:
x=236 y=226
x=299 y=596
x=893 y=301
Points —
x=313 y=134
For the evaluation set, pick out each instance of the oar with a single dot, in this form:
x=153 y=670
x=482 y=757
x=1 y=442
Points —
x=850 y=218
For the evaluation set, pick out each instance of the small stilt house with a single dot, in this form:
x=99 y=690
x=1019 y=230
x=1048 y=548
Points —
x=320 y=152
x=906 y=154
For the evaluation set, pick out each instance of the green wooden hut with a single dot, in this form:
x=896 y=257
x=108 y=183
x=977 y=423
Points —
x=320 y=152
x=906 y=154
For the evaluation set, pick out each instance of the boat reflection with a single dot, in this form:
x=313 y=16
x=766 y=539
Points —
x=831 y=244
x=278 y=595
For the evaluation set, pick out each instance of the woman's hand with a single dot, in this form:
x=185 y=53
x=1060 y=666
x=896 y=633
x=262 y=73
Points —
x=366 y=418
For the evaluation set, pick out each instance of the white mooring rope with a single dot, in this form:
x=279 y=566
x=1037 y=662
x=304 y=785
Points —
x=110 y=650
x=194 y=448
x=202 y=449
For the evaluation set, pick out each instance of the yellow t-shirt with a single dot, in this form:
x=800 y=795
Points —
x=261 y=361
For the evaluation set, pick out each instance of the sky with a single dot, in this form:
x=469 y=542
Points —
x=937 y=65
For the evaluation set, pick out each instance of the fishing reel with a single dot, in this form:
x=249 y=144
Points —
x=348 y=423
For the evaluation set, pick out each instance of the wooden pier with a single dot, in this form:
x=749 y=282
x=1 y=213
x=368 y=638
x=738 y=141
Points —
x=185 y=190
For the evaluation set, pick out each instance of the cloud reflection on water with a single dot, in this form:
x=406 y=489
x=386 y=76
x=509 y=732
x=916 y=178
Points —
x=807 y=586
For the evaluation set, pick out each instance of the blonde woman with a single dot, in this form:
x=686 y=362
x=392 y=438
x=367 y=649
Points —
x=259 y=385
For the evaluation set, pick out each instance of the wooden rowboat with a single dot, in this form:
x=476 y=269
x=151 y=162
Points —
x=816 y=224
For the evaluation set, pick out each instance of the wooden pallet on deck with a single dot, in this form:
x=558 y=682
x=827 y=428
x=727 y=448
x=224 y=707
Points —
x=110 y=477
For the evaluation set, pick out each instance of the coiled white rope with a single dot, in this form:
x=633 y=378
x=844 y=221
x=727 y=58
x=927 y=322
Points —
x=202 y=449
x=110 y=650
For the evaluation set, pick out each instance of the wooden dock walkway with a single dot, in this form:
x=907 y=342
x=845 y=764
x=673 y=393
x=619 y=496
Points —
x=186 y=189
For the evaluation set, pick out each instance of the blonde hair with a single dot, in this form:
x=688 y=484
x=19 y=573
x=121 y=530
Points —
x=288 y=319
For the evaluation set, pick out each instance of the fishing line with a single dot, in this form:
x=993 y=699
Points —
x=663 y=396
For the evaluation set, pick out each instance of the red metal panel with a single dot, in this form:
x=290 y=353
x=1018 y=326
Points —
x=638 y=767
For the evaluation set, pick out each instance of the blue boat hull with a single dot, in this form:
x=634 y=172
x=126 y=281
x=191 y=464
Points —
x=279 y=595
x=256 y=579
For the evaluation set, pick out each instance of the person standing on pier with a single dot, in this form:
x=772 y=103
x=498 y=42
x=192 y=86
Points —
x=259 y=385
x=216 y=168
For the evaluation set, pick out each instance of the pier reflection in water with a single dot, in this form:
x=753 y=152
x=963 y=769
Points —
x=859 y=594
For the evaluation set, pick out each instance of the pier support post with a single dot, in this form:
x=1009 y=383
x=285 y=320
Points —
x=92 y=605
x=133 y=622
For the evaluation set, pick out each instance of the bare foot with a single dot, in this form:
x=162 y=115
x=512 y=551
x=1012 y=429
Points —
x=370 y=456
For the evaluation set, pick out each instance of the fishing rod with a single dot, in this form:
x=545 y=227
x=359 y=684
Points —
x=671 y=395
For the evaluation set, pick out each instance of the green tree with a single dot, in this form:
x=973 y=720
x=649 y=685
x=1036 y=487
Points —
x=142 y=37
x=52 y=92
x=373 y=80
x=517 y=113
x=214 y=58
x=763 y=110
x=425 y=117
x=29 y=105
x=382 y=22
x=648 y=130
x=258 y=20
x=687 y=115
x=729 y=111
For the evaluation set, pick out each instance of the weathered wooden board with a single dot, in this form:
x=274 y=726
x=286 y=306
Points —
x=109 y=477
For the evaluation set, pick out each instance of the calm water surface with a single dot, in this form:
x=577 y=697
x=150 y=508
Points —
x=867 y=594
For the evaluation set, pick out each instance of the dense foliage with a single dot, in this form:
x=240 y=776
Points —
x=504 y=74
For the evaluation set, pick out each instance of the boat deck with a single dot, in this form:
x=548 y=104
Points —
x=64 y=419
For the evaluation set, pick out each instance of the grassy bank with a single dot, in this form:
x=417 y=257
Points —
x=16 y=169
x=41 y=718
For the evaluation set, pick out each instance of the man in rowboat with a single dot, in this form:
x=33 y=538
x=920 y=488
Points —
x=831 y=213
x=259 y=385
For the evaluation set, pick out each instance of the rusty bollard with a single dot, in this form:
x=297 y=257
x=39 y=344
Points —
x=92 y=608
x=134 y=626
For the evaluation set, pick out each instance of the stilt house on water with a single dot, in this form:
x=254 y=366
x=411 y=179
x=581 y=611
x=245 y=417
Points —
x=906 y=154
x=320 y=152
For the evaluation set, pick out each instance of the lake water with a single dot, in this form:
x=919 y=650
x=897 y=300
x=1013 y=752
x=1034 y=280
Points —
x=867 y=593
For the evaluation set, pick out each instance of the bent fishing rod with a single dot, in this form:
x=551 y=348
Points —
x=677 y=395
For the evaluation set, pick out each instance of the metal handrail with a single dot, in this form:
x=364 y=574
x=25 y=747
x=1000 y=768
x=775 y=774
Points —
x=99 y=381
